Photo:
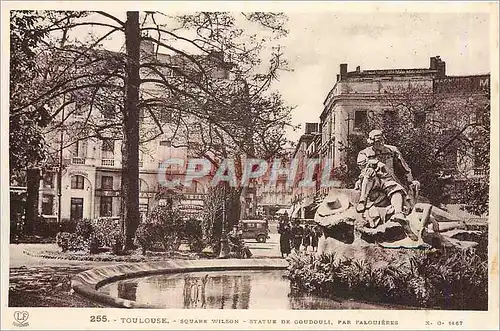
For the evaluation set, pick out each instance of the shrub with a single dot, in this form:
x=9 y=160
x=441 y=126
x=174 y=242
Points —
x=84 y=228
x=457 y=279
x=62 y=240
x=72 y=242
x=107 y=231
x=194 y=234
x=118 y=242
x=93 y=244
x=91 y=235
x=163 y=230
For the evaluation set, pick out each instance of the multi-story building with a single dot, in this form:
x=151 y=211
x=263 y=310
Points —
x=308 y=147
x=360 y=96
x=90 y=176
x=273 y=196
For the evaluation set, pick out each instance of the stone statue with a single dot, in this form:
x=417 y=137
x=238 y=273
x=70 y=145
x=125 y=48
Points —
x=379 y=185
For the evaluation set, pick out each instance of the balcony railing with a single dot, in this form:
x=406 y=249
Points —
x=78 y=160
x=108 y=162
x=194 y=196
x=479 y=171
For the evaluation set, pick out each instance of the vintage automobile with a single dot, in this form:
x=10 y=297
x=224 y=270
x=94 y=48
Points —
x=254 y=229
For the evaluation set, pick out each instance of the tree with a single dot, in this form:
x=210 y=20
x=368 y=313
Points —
x=25 y=135
x=184 y=83
x=436 y=134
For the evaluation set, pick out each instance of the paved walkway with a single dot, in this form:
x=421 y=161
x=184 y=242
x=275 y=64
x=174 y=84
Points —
x=18 y=259
x=270 y=248
x=40 y=282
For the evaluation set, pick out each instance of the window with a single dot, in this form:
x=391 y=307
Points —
x=106 y=206
x=47 y=205
x=108 y=112
x=108 y=149
x=143 y=186
x=80 y=108
x=360 y=118
x=79 y=148
x=479 y=156
x=166 y=143
x=450 y=159
x=77 y=182
x=76 y=208
x=107 y=182
x=48 y=179
x=419 y=119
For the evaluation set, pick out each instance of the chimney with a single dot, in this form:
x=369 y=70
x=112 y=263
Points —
x=343 y=71
x=441 y=68
x=338 y=77
x=311 y=127
x=358 y=69
x=433 y=63
x=439 y=65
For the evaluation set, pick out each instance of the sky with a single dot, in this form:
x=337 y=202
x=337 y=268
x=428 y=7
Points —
x=318 y=42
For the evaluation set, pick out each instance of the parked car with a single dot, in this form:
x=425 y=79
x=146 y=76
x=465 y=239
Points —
x=255 y=229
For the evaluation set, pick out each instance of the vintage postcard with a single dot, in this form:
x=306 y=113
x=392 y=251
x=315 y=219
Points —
x=249 y=165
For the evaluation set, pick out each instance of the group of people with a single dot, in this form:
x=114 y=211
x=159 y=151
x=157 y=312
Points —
x=294 y=236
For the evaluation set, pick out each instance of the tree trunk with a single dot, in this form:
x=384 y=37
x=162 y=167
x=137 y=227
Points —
x=130 y=149
x=32 y=194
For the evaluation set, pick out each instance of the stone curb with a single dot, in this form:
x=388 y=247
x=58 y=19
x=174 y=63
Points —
x=88 y=282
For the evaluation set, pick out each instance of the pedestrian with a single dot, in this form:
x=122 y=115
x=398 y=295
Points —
x=306 y=236
x=284 y=231
x=316 y=233
x=296 y=232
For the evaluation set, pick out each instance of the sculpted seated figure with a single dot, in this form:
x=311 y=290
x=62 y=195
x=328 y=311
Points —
x=379 y=185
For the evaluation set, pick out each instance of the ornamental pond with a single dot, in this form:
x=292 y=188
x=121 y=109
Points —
x=268 y=289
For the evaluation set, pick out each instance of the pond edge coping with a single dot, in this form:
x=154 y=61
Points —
x=88 y=282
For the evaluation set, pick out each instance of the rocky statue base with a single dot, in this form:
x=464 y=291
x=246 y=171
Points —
x=367 y=235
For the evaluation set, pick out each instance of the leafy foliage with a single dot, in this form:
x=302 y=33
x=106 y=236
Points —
x=212 y=216
x=438 y=136
x=92 y=235
x=210 y=81
x=194 y=234
x=72 y=242
x=454 y=280
x=163 y=230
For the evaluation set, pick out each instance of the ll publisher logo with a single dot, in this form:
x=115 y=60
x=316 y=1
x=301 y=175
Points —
x=21 y=318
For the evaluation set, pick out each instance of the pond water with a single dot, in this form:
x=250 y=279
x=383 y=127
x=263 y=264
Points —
x=223 y=290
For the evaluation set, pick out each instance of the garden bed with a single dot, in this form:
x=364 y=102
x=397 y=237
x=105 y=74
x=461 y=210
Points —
x=109 y=257
x=454 y=279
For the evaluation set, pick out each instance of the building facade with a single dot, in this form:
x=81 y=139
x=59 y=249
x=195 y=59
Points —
x=358 y=97
x=86 y=181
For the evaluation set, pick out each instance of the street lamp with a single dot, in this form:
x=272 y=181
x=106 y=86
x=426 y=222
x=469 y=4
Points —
x=223 y=238
x=59 y=172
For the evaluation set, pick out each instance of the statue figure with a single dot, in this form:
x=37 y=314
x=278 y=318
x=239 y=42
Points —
x=379 y=184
